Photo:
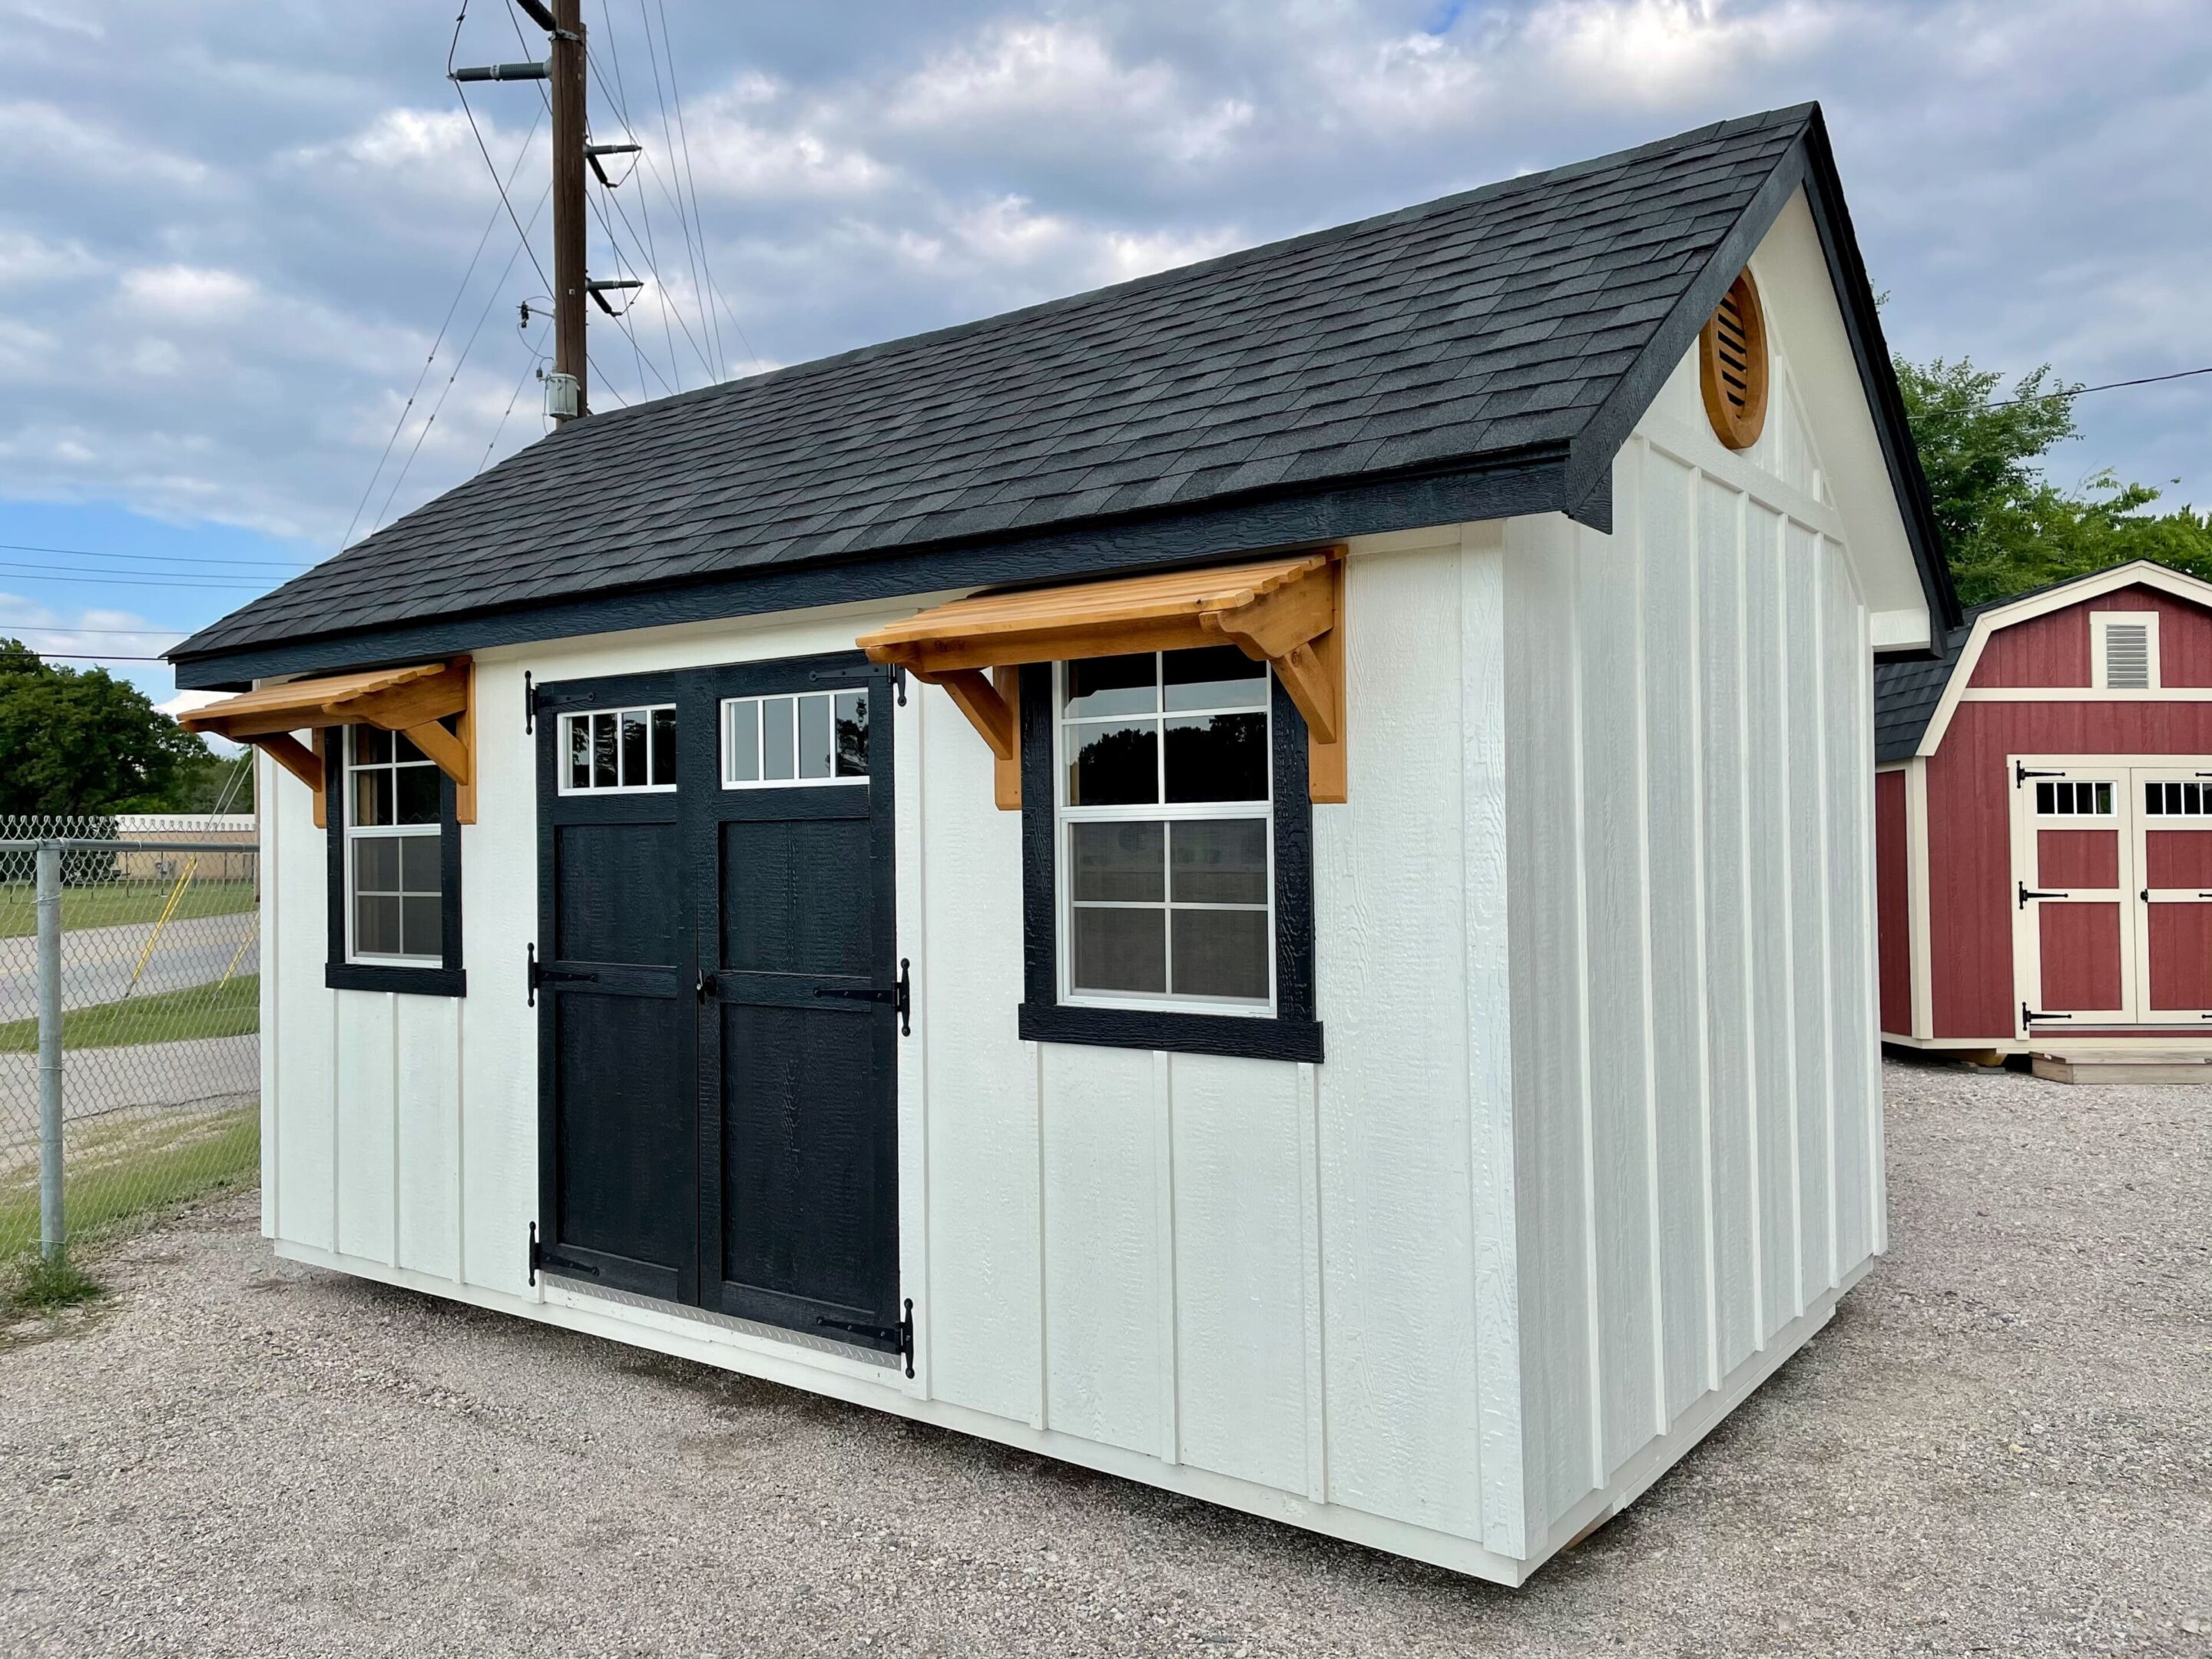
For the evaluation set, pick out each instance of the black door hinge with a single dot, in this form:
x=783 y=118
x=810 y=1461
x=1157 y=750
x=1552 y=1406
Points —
x=899 y=1336
x=542 y=1259
x=541 y=975
x=529 y=704
x=900 y=996
x=2036 y=1017
x=2027 y=893
x=2021 y=775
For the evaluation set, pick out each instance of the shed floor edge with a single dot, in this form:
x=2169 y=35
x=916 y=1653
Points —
x=868 y=1385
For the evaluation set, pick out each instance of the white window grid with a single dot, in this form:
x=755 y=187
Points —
x=770 y=721
x=2178 y=798
x=2124 y=650
x=2076 y=798
x=1162 y=811
x=356 y=833
x=653 y=783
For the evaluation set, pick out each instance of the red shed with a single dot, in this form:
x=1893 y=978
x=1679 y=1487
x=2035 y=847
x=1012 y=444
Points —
x=2043 y=814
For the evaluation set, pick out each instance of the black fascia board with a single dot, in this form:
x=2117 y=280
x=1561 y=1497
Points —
x=1506 y=485
x=1862 y=326
x=1810 y=162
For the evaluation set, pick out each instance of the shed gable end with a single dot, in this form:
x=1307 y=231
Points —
x=2060 y=648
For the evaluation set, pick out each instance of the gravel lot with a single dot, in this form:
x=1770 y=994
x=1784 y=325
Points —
x=2002 y=1444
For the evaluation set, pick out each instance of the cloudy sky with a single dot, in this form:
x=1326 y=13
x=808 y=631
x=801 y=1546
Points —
x=259 y=291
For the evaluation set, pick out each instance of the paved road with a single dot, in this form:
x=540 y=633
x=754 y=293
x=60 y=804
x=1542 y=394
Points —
x=148 y=1076
x=1998 y=1447
x=96 y=961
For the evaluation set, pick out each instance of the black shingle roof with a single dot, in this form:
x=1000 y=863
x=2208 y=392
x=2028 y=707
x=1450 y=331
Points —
x=1509 y=325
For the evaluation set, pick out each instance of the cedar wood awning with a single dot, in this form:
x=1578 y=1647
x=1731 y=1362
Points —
x=414 y=701
x=1286 y=612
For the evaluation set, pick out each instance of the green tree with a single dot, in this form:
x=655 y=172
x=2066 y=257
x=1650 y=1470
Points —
x=2006 y=526
x=77 y=741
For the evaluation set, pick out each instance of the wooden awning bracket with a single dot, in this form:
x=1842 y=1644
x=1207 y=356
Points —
x=1287 y=612
x=414 y=701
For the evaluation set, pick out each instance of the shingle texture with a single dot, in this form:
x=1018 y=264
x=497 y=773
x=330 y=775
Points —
x=1449 y=333
x=1906 y=695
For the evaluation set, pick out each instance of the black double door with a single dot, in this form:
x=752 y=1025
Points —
x=718 y=1001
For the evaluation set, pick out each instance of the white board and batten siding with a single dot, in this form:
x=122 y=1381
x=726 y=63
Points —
x=1597 y=1143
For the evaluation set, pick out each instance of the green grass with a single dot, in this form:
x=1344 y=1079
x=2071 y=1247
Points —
x=122 y=1176
x=36 y=1283
x=232 y=1008
x=110 y=904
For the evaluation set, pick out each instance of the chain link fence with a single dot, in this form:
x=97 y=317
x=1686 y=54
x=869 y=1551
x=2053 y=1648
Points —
x=129 y=1021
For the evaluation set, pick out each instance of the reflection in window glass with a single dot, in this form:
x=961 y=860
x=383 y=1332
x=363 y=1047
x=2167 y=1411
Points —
x=1167 y=887
x=619 y=750
x=805 y=739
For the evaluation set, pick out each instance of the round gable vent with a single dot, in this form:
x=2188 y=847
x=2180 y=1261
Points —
x=1732 y=366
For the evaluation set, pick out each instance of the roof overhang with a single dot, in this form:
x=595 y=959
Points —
x=1284 y=612
x=415 y=702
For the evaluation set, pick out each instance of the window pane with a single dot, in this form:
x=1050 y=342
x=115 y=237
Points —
x=605 y=774
x=371 y=744
x=814 y=736
x=1114 y=765
x=1112 y=685
x=376 y=865
x=580 y=750
x=633 y=748
x=852 y=734
x=418 y=793
x=1221 y=863
x=1221 y=677
x=776 y=757
x=372 y=797
x=2105 y=798
x=664 y=745
x=1118 y=950
x=403 y=750
x=376 y=926
x=1118 y=861
x=1218 y=757
x=743 y=762
x=419 y=927
x=1220 y=953
x=418 y=862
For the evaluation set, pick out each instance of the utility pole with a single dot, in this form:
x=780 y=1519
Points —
x=564 y=66
x=571 y=131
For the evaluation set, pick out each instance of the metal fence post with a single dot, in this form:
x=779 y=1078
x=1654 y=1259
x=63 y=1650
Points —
x=50 y=1234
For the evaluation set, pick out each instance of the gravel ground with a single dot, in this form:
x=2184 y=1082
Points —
x=2001 y=1445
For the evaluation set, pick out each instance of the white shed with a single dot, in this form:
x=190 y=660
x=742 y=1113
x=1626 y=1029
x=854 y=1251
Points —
x=1260 y=880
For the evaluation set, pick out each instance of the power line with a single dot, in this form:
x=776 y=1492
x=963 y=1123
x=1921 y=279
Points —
x=544 y=280
x=53 y=573
x=683 y=137
x=80 y=656
x=2109 y=385
x=683 y=217
x=619 y=96
x=44 y=627
x=163 y=558
x=399 y=425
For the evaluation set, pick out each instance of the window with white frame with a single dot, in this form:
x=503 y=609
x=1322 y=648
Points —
x=2124 y=650
x=1164 y=827
x=619 y=750
x=394 y=828
x=2069 y=797
x=796 y=741
x=2171 y=800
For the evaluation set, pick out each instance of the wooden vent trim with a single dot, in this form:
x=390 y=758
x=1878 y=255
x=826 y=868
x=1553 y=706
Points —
x=1732 y=366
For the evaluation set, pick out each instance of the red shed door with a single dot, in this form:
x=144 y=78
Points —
x=2173 y=886
x=2072 y=860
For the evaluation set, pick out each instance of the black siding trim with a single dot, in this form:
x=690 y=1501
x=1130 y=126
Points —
x=339 y=973
x=1506 y=486
x=1293 y=1034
